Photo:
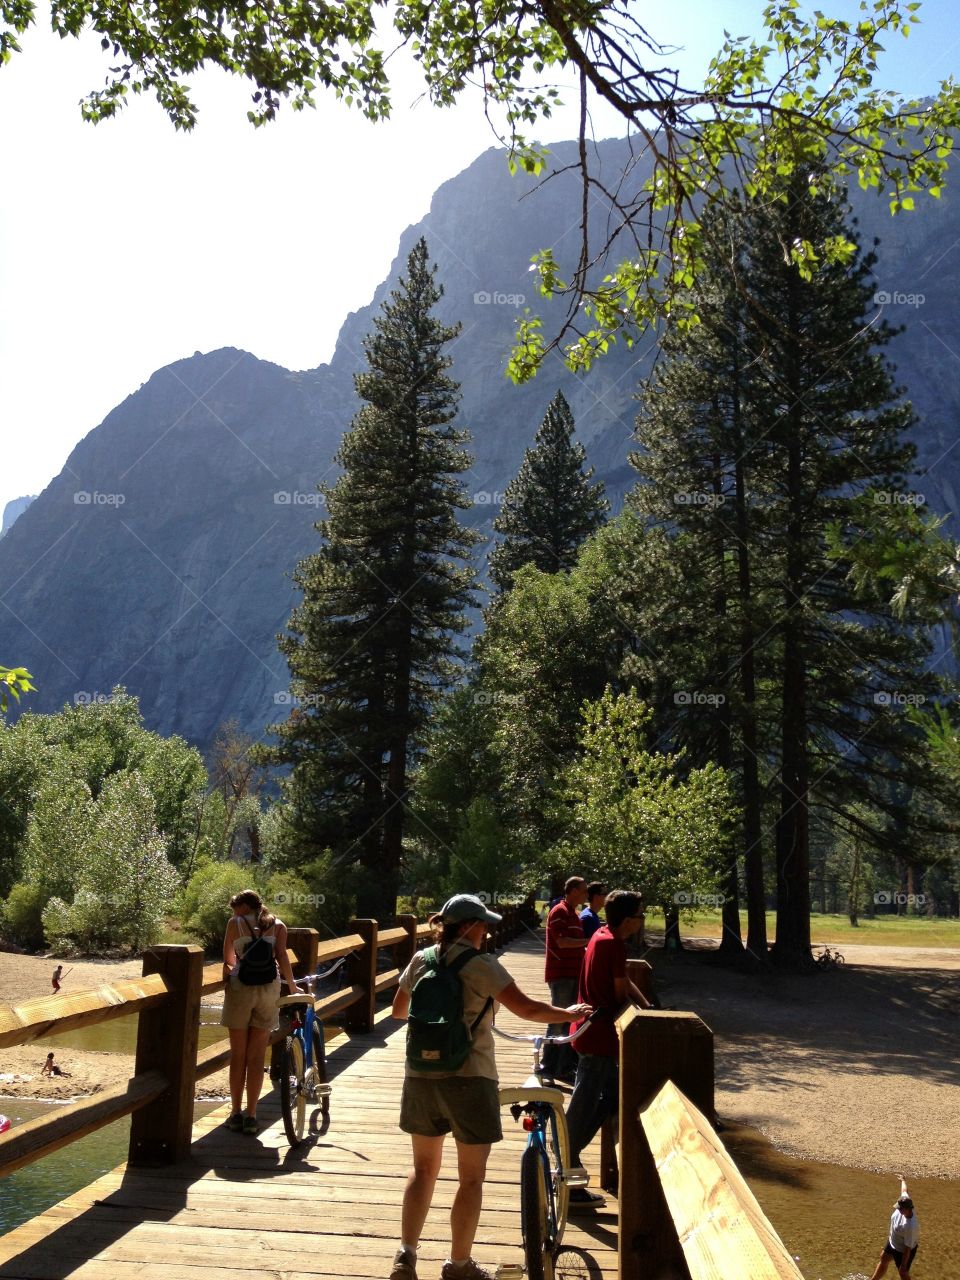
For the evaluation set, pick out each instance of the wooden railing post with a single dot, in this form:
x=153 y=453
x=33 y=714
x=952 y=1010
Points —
x=405 y=952
x=359 y=1016
x=640 y=973
x=303 y=943
x=167 y=1039
x=655 y=1047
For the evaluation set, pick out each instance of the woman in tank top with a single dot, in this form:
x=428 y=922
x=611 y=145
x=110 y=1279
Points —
x=251 y=1013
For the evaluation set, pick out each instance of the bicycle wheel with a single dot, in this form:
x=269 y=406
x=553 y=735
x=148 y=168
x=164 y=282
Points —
x=535 y=1216
x=320 y=1067
x=293 y=1098
x=558 y=1150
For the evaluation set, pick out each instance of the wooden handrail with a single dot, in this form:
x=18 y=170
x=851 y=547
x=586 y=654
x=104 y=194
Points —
x=36 y=1138
x=49 y=1015
x=338 y=947
x=390 y=937
x=721 y=1228
x=386 y=980
x=340 y=1000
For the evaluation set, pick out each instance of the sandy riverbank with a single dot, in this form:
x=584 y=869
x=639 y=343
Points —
x=25 y=978
x=858 y=1066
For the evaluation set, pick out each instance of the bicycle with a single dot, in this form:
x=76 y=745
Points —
x=828 y=959
x=303 y=1067
x=545 y=1176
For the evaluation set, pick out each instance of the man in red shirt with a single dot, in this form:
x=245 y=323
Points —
x=566 y=944
x=603 y=984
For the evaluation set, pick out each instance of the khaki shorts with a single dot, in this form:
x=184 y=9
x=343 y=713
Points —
x=466 y=1106
x=251 y=1006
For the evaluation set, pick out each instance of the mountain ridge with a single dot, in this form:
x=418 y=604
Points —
x=161 y=555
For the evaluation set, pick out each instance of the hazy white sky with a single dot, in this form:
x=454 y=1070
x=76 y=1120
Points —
x=127 y=245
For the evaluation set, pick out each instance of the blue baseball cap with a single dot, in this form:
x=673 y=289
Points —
x=466 y=906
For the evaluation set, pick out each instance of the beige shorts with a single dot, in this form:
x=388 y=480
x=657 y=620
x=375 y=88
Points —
x=251 y=1006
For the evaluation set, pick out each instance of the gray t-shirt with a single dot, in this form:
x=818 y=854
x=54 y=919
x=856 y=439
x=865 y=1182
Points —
x=482 y=977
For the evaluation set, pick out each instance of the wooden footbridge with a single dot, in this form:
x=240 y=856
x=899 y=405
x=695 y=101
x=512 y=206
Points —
x=198 y=1202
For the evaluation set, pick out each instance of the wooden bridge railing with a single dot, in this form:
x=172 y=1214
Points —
x=685 y=1211
x=160 y=1094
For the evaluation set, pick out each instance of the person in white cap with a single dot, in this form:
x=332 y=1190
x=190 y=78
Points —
x=464 y=1101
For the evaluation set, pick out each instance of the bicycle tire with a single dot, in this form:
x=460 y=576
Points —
x=320 y=1066
x=293 y=1099
x=558 y=1149
x=537 y=1250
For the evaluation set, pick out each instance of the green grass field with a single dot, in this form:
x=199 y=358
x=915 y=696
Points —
x=882 y=931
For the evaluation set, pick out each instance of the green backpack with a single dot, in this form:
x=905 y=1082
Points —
x=437 y=1036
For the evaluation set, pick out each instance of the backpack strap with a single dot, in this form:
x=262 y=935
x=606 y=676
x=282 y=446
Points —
x=455 y=966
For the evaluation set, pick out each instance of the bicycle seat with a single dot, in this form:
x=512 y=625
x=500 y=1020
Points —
x=302 y=997
x=532 y=1091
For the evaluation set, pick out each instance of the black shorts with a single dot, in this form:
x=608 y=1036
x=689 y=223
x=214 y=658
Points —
x=897 y=1254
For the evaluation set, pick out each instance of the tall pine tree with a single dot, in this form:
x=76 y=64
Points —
x=781 y=413
x=550 y=507
x=373 y=641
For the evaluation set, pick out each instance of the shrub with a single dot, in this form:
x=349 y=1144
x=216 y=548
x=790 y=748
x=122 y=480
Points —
x=22 y=921
x=205 y=901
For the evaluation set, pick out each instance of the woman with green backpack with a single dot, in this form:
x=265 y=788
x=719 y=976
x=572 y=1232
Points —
x=447 y=994
x=254 y=959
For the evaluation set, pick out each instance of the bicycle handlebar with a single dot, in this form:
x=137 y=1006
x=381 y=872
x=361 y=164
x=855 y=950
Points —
x=538 y=1040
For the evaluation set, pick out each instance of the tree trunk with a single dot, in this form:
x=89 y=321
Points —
x=792 y=949
x=752 y=815
x=671 y=929
x=731 y=936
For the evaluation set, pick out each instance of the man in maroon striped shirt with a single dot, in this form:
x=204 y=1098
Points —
x=566 y=943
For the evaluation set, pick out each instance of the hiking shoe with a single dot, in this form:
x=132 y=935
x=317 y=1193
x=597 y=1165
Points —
x=404 y=1266
x=251 y=1125
x=469 y=1271
x=235 y=1123
x=582 y=1200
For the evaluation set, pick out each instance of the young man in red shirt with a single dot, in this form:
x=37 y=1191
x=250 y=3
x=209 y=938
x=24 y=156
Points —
x=566 y=944
x=604 y=985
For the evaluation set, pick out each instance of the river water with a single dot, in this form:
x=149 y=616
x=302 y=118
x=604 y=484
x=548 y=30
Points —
x=834 y=1220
